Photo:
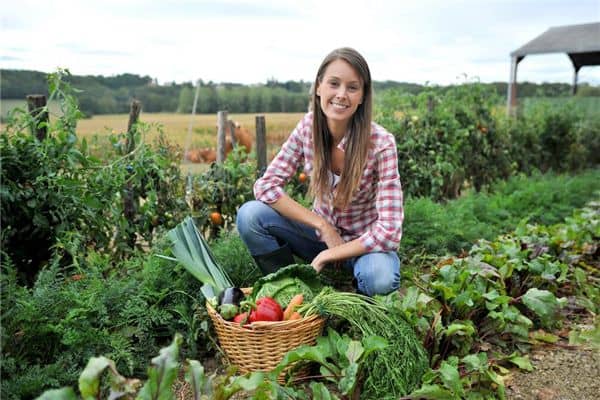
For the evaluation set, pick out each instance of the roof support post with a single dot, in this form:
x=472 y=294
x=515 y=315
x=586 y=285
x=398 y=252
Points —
x=511 y=97
x=575 y=75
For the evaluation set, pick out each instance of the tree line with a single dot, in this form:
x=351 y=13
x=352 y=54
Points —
x=113 y=94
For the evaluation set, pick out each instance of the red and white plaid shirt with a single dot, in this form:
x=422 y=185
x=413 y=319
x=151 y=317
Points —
x=375 y=213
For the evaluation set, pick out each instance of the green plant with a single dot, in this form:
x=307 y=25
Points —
x=162 y=374
x=446 y=139
x=399 y=369
x=46 y=192
x=50 y=330
x=453 y=227
x=501 y=290
x=454 y=138
x=223 y=188
x=474 y=376
x=342 y=359
x=151 y=196
x=231 y=252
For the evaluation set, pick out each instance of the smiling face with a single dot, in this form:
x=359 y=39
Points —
x=340 y=92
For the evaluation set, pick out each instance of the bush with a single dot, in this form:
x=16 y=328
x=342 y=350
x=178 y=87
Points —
x=445 y=139
x=57 y=200
x=223 y=189
x=457 y=138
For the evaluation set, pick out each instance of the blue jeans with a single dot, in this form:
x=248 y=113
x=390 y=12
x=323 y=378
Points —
x=264 y=230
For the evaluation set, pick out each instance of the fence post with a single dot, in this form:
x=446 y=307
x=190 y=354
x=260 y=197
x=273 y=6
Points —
x=261 y=145
x=129 y=200
x=134 y=114
x=221 y=133
x=36 y=105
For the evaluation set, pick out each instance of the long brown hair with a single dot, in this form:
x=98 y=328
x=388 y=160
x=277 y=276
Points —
x=357 y=142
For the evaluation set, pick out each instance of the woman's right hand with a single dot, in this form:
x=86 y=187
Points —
x=330 y=235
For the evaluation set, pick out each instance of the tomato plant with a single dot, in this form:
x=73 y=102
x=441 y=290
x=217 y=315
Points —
x=223 y=189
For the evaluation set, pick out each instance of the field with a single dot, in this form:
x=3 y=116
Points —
x=176 y=127
x=6 y=105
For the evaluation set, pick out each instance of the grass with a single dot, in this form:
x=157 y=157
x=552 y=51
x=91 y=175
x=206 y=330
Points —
x=589 y=106
x=442 y=228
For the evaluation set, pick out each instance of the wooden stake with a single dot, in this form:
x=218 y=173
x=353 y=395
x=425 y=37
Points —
x=36 y=105
x=221 y=134
x=261 y=145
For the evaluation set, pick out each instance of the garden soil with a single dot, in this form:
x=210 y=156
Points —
x=560 y=373
x=571 y=373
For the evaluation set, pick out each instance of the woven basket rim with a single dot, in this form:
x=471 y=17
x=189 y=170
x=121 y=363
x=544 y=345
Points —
x=262 y=325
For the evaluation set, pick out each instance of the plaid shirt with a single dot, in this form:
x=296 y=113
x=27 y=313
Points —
x=375 y=213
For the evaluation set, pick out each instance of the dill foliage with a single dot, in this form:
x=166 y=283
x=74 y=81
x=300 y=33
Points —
x=393 y=372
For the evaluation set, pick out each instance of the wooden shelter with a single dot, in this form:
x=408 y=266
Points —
x=580 y=42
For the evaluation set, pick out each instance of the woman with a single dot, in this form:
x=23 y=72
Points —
x=357 y=211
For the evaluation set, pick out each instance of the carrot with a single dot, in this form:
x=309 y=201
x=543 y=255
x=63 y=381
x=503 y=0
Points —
x=295 y=315
x=294 y=303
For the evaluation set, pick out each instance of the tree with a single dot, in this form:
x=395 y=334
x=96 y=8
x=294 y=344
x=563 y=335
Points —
x=186 y=100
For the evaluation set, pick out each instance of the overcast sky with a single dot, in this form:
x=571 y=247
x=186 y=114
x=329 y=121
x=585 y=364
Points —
x=435 y=41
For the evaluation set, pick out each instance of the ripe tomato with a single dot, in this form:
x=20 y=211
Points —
x=302 y=177
x=240 y=318
x=216 y=218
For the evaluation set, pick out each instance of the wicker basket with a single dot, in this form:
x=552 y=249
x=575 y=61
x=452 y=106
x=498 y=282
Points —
x=260 y=346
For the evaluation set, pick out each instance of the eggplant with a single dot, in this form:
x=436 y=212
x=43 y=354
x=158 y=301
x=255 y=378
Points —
x=232 y=295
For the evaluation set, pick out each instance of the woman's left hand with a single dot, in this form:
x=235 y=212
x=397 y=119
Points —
x=323 y=258
x=319 y=261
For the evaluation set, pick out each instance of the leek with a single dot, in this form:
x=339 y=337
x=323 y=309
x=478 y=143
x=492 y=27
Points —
x=191 y=250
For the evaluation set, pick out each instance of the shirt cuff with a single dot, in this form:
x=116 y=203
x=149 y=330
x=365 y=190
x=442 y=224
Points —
x=270 y=196
x=368 y=241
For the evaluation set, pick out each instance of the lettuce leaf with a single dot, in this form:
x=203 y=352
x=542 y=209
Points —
x=287 y=282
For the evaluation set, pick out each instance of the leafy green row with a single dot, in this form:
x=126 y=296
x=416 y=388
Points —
x=475 y=313
x=492 y=298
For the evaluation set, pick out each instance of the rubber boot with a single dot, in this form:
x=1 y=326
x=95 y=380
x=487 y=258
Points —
x=275 y=260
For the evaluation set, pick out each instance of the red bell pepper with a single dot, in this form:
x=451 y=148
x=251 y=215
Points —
x=267 y=309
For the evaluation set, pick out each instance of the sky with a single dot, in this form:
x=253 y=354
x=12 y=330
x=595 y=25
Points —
x=251 y=41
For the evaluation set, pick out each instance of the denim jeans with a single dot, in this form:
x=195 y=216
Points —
x=264 y=230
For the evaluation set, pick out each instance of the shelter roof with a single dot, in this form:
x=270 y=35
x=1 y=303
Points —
x=571 y=39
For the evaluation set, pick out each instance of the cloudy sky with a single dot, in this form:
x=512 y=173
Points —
x=250 y=41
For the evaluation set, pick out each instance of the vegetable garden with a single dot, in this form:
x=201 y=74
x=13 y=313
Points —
x=500 y=250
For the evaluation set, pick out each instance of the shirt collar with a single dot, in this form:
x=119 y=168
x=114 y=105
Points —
x=342 y=144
